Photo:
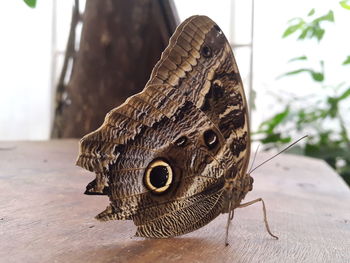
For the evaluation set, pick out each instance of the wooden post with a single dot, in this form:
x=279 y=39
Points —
x=121 y=42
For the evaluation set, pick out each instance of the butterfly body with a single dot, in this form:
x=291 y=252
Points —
x=175 y=156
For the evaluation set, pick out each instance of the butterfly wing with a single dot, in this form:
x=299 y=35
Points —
x=191 y=115
x=199 y=62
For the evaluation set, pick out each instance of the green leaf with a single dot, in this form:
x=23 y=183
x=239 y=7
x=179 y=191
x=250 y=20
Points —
x=324 y=138
x=304 y=32
x=293 y=28
x=333 y=103
x=30 y=3
x=309 y=115
x=345 y=4
x=309 y=30
x=345 y=94
x=311 y=12
x=294 y=72
x=328 y=17
x=317 y=76
x=318 y=33
x=275 y=138
x=347 y=61
x=298 y=58
x=333 y=106
x=269 y=125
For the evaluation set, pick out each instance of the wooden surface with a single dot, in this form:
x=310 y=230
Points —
x=44 y=217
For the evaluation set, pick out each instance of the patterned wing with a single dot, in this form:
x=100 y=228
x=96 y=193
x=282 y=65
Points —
x=192 y=118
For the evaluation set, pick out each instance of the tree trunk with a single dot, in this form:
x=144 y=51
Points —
x=121 y=42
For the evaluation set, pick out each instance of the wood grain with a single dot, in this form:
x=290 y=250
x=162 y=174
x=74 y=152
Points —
x=44 y=217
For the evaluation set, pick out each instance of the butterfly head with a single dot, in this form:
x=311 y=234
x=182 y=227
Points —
x=248 y=183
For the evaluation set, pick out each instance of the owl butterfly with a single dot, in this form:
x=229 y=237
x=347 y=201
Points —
x=175 y=156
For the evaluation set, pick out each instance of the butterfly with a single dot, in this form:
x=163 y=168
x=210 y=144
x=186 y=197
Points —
x=175 y=156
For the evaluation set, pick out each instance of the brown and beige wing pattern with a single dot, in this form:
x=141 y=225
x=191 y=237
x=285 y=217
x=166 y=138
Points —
x=171 y=156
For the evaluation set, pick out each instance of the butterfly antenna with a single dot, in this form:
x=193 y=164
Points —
x=285 y=149
x=256 y=152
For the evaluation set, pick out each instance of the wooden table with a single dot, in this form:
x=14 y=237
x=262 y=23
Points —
x=44 y=216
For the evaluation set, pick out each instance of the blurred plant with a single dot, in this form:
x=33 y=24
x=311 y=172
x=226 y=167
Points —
x=30 y=3
x=314 y=115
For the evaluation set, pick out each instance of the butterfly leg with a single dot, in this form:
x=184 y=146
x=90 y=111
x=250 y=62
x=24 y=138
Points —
x=264 y=210
x=229 y=218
